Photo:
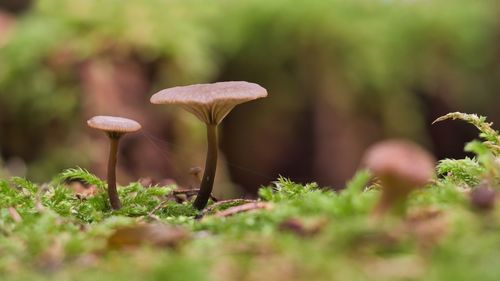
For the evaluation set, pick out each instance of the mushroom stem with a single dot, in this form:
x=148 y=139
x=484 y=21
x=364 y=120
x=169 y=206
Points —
x=393 y=196
x=207 y=182
x=114 y=200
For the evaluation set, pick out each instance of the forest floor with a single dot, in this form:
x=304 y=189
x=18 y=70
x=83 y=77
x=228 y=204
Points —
x=65 y=229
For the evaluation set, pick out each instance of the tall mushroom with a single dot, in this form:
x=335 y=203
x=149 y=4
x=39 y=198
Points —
x=401 y=166
x=115 y=128
x=210 y=103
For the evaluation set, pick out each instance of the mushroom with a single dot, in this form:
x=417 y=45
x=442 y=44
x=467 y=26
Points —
x=210 y=103
x=482 y=198
x=115 y=128
x=401 y=166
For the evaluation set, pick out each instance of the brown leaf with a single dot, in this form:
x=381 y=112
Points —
x=82 y=190
x=16 y=217
x=160 y=235
x=302 y=228
x=400 y=267
x=52 y=257
x=428 y=226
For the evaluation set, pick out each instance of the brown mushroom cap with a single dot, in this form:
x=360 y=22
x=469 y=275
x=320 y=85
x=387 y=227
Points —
x=113 y=124
x=210 y=102
x=400 y=160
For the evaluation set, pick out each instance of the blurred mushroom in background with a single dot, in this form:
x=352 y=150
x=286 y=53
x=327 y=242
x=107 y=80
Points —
x=402 y=167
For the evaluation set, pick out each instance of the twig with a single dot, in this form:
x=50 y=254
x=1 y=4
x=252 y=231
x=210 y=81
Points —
x=243 y=208
x=190 y=193
x=219 y=203
x=151 y=213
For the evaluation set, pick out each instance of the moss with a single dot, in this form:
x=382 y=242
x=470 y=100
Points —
x=50 y=232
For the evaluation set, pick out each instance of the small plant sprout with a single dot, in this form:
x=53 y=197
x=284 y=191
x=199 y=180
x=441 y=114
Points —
x=401 y=166
x=210 y=103
x=115 y=128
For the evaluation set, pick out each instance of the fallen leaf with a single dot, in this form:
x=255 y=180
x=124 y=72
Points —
x=82 y=190
x=402 y=267
x=160 y=235
x=428 y=225
x=302 y=228
x=16 y=217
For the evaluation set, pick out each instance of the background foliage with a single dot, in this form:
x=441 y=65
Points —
x=340 y=74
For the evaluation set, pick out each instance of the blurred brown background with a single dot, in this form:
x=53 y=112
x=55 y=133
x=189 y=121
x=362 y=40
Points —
x=340 y=76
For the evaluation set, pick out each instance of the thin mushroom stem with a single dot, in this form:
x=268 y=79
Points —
x=114 y=200
x=207 y=182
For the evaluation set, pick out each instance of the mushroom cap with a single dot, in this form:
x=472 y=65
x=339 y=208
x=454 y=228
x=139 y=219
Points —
x=210 y=102
x=400 y=161
x=113 y=124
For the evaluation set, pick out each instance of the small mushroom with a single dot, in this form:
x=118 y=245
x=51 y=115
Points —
x=115 y=128
x=210 y=103
x=401 y=166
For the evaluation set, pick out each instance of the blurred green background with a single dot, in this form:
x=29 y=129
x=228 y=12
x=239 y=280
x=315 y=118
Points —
x=340 y=74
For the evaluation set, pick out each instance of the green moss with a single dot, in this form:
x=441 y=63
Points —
x=306 y=233
x=463 y=171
